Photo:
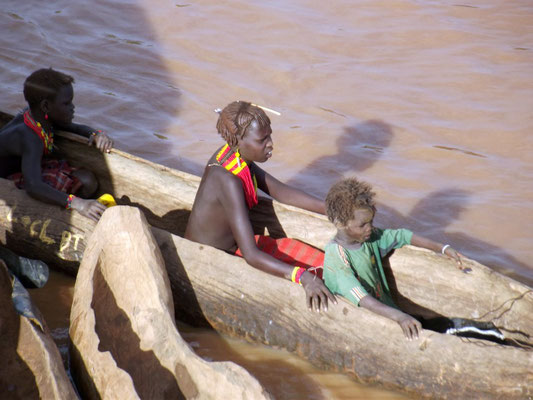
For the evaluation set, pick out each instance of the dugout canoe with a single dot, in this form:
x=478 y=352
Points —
x=224 y=292
x=124 y=340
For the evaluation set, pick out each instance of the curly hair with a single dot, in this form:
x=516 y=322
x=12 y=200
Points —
x=346 y=196
x=44 y=84
x=235 y=119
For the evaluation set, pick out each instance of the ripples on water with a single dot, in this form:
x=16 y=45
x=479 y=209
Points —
x=429 y=101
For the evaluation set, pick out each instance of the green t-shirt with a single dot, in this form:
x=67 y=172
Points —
x=355 y=274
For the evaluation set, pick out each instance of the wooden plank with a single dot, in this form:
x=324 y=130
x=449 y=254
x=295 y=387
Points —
x=424 y=281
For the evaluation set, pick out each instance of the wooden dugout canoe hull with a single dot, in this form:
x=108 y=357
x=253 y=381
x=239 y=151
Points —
x=124 y=341
x=225 y=292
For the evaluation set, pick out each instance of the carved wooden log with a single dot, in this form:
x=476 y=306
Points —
x=124 y=338
x=31 y=366
x=246 y=302
x=42 y=231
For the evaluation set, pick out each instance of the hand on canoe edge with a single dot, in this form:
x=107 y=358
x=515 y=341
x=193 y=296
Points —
x=89 y=208
x=411 y=327
x=457 y=257
x=316 y=292
x=101 y=141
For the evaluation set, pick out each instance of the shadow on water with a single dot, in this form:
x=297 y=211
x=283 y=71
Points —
x=437 y=211
x=358 y=148
x=294 y=385
x=362 y=145
x=122 y=82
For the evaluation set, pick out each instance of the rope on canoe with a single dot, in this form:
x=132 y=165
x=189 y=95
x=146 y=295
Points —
x=512 y=300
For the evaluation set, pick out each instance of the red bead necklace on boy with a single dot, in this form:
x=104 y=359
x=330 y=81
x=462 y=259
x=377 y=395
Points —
x=233 y=162
x=46 y=138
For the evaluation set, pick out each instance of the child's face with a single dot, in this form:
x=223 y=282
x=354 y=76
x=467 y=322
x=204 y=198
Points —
x=359 y=228
x=257 y=144
x=61 y=109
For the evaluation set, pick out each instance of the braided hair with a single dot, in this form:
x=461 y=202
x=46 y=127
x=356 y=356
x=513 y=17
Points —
x=235 y=119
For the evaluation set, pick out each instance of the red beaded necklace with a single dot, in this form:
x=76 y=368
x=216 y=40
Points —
x=46 y=138
x=233 y=162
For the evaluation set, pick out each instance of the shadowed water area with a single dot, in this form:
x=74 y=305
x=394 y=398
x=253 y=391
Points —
x=431 y=102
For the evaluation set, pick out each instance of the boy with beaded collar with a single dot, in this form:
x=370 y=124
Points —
x=220 y=218
x=352 y=264
x=26 y=146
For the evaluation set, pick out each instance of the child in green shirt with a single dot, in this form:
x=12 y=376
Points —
x=352 y=264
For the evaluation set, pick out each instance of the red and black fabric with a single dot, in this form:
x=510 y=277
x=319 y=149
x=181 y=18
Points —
x=292 y=252
x=56 y=173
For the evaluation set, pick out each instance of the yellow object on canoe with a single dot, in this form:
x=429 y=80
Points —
x=107 y=200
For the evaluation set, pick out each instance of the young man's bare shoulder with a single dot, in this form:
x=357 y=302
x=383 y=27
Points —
x=17 y=138
x=217 y=175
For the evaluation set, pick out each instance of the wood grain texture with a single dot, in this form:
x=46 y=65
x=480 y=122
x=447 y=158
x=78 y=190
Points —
x=123 y=333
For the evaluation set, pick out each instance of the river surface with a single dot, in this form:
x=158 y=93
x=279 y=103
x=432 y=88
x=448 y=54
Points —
x=430 y=101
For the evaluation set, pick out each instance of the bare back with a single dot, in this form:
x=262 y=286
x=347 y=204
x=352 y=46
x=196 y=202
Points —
x=16 y=139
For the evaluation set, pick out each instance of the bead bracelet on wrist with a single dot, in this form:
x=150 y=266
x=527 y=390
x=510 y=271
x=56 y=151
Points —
x=297 y=274
x=69 y=201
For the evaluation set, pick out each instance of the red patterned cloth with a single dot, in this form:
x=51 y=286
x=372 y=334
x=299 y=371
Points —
x=56 y=173
x=292 y=252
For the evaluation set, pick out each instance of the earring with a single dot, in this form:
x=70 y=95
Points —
x=45 y=116
x=238 y=156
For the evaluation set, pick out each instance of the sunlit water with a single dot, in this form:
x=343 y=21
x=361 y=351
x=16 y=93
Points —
x=429 y=101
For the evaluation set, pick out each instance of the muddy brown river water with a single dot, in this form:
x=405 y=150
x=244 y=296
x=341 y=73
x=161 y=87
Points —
x=430 y=101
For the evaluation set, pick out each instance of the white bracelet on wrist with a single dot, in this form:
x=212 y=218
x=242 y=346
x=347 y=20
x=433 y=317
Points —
x=444 y=248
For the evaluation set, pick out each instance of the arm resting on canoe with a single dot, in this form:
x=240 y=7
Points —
x=234 y=205
x=410 y=326
x=287 y=194
x=100 y=139
x=39 y=190
x=35 y=187
x=31 y=158
x=429 y=244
